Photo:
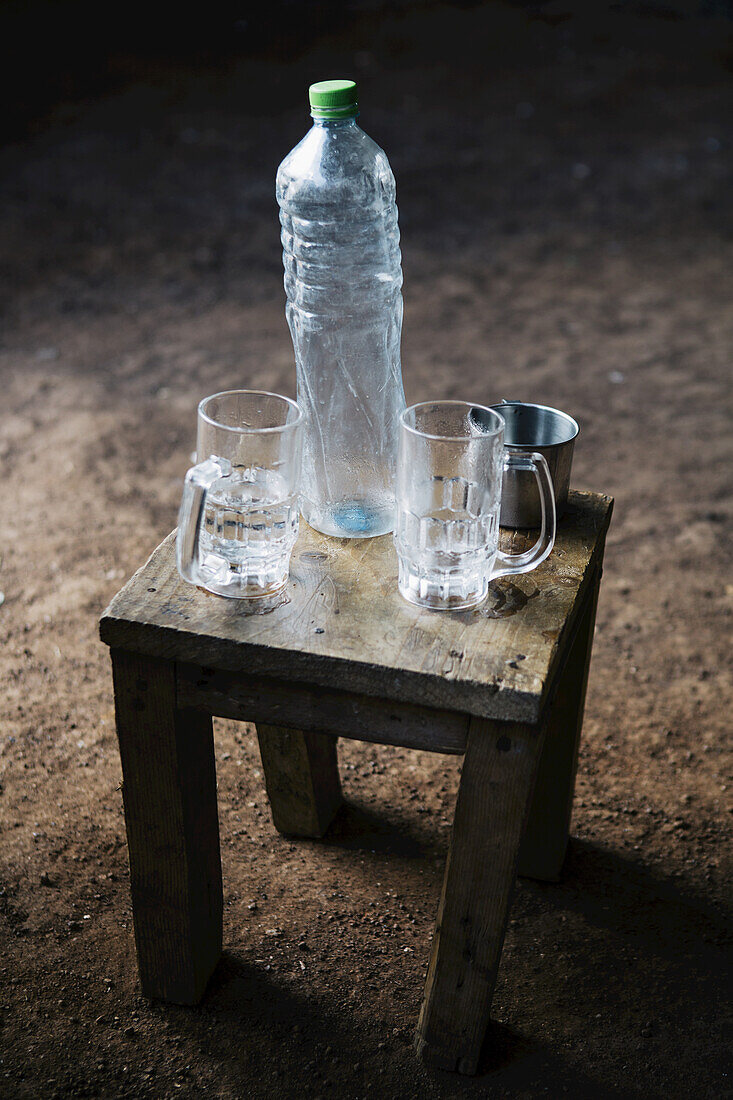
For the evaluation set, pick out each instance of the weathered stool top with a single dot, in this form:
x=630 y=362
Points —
x=342 y=623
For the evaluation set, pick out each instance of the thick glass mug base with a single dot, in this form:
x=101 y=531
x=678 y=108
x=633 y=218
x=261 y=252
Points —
x=441 y=589
x=252 y=581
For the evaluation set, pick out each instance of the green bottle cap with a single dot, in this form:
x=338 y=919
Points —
x=333 y=99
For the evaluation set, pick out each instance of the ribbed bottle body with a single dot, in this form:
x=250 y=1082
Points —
x=343 y=281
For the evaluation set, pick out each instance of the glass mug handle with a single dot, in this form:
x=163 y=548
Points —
x=198 y=480
x=522 y=563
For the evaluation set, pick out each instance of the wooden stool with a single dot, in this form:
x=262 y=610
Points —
x=343 y=655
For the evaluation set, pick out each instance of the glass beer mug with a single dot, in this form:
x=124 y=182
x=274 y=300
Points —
x=450 y=466
x=238 y=520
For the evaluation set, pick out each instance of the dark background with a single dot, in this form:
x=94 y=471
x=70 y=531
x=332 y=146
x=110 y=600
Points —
x=65 y=50
x=564 y=181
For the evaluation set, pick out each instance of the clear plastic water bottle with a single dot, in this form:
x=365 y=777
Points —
x=343 y=281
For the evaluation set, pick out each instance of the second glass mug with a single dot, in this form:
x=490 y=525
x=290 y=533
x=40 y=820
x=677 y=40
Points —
x=450 y=465
x=238 y=520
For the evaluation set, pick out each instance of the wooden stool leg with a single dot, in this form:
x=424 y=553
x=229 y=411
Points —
x=545 y=839
x=169 y=793
x=301 y=777
x=494 y=794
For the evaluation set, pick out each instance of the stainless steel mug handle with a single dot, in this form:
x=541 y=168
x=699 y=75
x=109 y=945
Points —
x=198 y=481
x=522 y=563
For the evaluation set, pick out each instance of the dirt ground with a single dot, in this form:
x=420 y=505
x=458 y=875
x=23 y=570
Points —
x=564 y=185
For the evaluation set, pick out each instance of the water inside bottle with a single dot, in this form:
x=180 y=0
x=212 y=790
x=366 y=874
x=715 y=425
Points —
x=351 y=518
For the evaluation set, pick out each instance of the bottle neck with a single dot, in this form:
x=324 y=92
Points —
x=334 y=123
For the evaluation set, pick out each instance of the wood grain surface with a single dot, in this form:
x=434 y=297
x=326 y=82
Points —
x=169 y=792
x=342 y=623
x=260 y=699
x=545 y=837
x=493 y=801
x=302 y=779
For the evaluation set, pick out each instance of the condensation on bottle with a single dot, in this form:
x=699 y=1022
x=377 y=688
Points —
x=343 y=282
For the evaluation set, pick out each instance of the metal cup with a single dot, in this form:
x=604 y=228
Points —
x=553 y=434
